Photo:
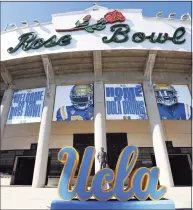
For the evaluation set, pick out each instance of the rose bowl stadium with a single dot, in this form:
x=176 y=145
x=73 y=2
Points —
x=98 y=77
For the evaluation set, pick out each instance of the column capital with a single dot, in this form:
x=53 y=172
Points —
x=50 y=76
x=5 y=74
x=148 y=87
x=11 y=86
x=50 y=91
x=150 y=62
x=99 y=82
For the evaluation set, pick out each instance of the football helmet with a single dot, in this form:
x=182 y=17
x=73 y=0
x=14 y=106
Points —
x=81 y=96
x=165 y=94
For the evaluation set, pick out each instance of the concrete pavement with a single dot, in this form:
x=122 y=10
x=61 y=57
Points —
x=16 y=197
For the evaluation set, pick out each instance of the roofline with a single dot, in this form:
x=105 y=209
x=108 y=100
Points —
x=170 y=19
x=26 y=27
x=93 y=7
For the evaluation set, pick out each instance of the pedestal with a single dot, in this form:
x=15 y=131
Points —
x=112 y=204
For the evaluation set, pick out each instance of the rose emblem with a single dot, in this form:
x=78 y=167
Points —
x=115 y=16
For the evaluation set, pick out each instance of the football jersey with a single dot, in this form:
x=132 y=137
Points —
x=177 y=111
x=69 y=113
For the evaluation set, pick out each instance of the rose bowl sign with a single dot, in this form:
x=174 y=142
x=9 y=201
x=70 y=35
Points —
x=125 y=184
x=31 y=41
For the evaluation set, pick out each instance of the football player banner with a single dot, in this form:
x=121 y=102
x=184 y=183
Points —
x=26 y=106
x=124 y=102
x=73 y=102
x=174 y=101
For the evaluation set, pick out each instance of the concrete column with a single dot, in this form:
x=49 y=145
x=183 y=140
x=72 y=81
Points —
x=99 y=121
x=190 y=88
x=41 y=161
x=5 y=106
x=158 y=137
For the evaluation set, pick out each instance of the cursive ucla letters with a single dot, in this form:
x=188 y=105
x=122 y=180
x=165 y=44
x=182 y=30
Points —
x=142 y=183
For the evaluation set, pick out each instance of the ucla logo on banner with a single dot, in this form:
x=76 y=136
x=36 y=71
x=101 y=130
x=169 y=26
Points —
x=142 y=182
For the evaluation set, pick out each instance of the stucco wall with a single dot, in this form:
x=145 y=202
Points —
x=20 y=136
x=179 y=132
x=138 y=133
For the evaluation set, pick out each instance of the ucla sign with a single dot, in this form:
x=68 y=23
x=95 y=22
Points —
x=142 y=183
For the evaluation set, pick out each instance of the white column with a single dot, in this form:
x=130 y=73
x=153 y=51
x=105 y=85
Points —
x=41 y=161
x=158 y=137
x=5 y=106
x=190 y=89
x=99 y=121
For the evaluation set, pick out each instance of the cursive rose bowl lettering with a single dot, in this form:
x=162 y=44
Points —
x=120 y=35
x=30 y=41
x=142 y=182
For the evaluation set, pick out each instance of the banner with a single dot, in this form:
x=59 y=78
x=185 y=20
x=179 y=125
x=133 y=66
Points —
x=174 y=101
x=125 y=102
x=73 y=102
x=26 y=106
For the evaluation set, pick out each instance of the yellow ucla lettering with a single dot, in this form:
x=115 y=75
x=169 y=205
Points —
x=141 y=183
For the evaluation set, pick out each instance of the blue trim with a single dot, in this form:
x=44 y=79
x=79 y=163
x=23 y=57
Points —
x=113 y=204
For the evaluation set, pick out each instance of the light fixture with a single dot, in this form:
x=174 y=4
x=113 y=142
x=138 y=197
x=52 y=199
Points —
x=12 y=25
x=171 y=15
x=159 y=14
x=95 y=6
x=36 y=21
x=24 y=23
x=185 y=17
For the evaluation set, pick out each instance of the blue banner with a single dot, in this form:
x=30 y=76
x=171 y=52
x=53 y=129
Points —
x=26 y=106
x=125 y=102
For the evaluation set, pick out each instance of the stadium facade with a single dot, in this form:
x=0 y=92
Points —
x=99 y=77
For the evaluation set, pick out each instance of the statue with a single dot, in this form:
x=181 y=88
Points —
x=102 y=158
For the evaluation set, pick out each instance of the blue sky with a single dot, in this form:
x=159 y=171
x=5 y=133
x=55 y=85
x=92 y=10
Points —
x=15 y=12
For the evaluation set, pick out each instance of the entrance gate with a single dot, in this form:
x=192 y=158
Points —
x=181 y=169
x=116 y=142
x=23 y=170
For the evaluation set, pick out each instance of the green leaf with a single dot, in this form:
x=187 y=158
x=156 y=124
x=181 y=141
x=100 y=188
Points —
x=100 y=27
x=89 y=29
x=94 y=27
x=77 y=23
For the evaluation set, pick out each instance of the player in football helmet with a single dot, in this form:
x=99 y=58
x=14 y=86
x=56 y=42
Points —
x=166 y=94
x=168 y=105
x=81 y=97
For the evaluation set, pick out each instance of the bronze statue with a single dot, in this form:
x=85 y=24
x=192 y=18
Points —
x=102 y=158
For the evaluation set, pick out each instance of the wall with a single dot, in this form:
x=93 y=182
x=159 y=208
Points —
x=179 y=132
x=23 y=135
x=20 y=136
